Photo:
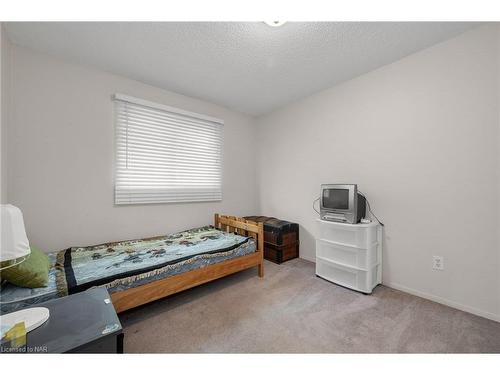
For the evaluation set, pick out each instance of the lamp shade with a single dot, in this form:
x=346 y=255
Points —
x=14 y=243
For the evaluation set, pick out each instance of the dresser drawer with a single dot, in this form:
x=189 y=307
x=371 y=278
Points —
x=360 y=280
x=351 y=235
x=347 y=255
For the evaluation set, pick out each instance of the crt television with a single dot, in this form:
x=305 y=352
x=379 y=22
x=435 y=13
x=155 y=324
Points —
x=342 y=203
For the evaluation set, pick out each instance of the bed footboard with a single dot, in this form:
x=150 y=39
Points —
x=246 y=228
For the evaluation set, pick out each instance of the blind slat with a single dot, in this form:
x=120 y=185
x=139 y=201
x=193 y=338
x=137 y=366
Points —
x=150 y=142
x=165 y=157
x=167 y=121
x=167 y=126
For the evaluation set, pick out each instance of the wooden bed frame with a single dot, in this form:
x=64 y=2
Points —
x=133 y=297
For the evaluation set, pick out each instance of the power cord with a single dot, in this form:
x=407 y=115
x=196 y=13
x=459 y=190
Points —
x=370 y=209
x=314 y=207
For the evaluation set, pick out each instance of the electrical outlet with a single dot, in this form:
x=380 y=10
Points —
x=438 y=262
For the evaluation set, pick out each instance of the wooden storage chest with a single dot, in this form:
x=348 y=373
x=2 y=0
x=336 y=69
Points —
x=281 y=238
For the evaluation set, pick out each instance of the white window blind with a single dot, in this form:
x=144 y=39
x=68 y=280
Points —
x=164 y=154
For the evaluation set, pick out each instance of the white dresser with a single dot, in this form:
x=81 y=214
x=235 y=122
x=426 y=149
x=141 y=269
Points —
x=350 y=254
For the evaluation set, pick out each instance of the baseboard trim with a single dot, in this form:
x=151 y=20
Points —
x=307 y=258
x=443 y=301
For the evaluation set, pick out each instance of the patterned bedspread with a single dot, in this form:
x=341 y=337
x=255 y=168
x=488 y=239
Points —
x=127 y=264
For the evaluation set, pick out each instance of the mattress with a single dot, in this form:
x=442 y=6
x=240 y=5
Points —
x=127 y=264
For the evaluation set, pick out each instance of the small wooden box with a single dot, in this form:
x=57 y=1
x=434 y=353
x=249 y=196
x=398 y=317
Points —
x=281 y=238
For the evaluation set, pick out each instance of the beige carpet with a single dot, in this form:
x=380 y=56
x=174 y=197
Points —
x=293 y=311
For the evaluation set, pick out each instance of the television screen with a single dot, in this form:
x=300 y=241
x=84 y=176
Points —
x=336 y=199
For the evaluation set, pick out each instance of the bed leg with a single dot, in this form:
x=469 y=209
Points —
x=260 y=248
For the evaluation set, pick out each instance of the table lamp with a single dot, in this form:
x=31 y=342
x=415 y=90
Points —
x=15 y=249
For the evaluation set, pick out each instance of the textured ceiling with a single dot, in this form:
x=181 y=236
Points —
x=249 y=67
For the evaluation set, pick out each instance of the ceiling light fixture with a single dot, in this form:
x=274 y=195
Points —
x=275 y=23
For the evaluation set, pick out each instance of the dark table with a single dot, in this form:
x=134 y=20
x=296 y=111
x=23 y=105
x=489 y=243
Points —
x=85 y=322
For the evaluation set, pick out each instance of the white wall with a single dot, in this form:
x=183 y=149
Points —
x=1 y=117
x=61 y=153
x=421 y=138
x=5 y=97
x=4 y=94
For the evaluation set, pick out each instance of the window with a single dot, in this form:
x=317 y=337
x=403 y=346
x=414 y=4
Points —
x=165 y=154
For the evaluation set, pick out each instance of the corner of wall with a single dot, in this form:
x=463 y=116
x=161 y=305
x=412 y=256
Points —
x=258 y=164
